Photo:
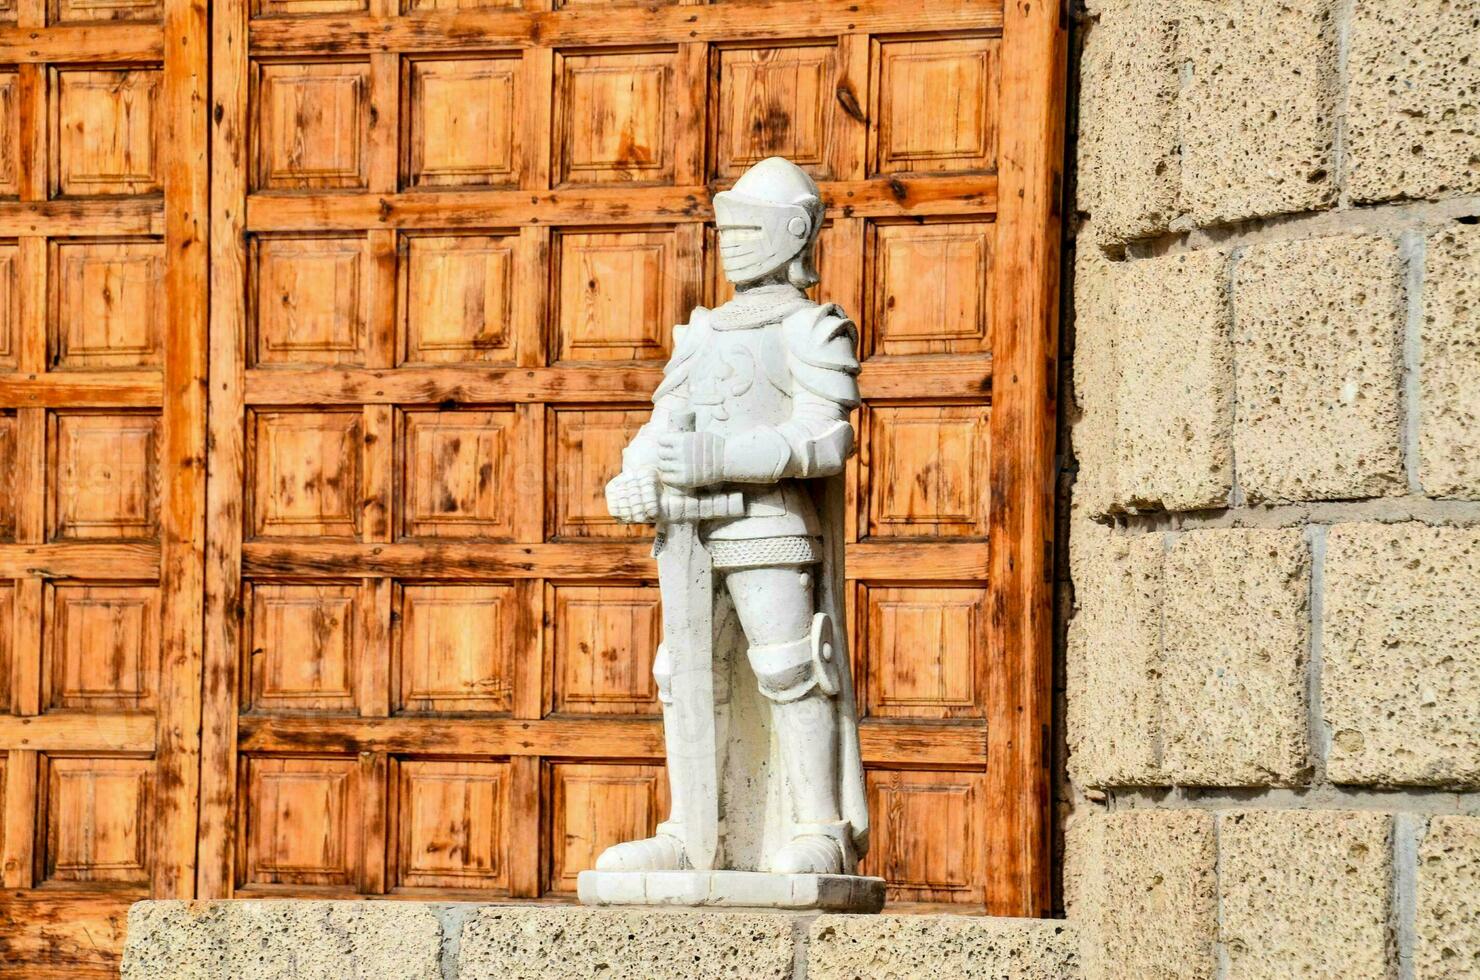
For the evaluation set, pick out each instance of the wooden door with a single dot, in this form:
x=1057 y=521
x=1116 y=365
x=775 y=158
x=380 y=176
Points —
x=102 y=469
x=451 y=238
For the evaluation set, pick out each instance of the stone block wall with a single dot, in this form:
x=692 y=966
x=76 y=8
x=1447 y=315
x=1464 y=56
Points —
x=1273 y=659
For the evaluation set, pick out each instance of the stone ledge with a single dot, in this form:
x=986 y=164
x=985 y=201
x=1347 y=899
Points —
x=392 y=940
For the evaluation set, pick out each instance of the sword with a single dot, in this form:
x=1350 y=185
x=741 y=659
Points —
x=686 y=580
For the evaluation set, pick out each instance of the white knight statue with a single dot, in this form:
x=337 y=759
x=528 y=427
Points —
x=740 y=467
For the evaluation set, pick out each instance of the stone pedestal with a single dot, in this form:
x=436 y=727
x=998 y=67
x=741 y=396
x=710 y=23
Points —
x=403 y=940
x=733 y=889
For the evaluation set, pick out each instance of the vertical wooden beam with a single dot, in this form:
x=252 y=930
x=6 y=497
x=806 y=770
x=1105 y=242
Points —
x=183 y=438
x=1024 y=331
x=17 y=848
x=524 y=826
x=227 y=461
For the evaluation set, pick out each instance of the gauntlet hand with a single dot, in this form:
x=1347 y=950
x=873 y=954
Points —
x=632 y=498
x=691 y=459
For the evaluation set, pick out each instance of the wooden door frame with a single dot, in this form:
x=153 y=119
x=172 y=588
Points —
x=1023 y=329
x=1024 y=325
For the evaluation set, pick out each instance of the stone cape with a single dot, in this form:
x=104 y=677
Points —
x=732 y=889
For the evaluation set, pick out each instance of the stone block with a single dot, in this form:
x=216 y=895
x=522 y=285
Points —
x=1449 y=369
x=907 y=947
x=1258 y=108
x=1401 y=650
x=1114 y=707
x=1305 y=893
x=282 y=940
x=1317 y=337
x=1095 y=381
x=1129 y=165
x=1447 y=926
x=1174 y=403
x=1236 y=639
x=1413 y=100
x=514 y=943
x=1142 y=894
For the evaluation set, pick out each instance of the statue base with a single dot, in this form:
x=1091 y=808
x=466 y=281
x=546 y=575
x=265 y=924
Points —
x=732 y=889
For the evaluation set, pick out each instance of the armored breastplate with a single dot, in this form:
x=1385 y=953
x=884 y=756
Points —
x=739 y=379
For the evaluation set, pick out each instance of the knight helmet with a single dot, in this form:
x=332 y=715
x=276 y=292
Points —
x=767 y=221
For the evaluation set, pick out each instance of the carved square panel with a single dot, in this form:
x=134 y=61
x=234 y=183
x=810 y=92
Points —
x=957 y=78
x=615 y=117
x=457 y=293
x=588 y=453
x=453 y=825
x=928 y=287
x=604 y=641
x=617 y=295
x=108 y=305
x=10 y=305
x=946 y=865
x=102 y=646
x=459 y=470
x=305 y=478
x=103 y=11
x=104 y=475
x=773 y=101
x=106 y=126
x=300 y=822
x=10 y=464
x=8 y=11
x=313 y=126
x=595 y=806
x=927 y=471
x=926 y=649
x=97 y=819
x=462 y=122
x=10 y=130
x=311 y=300
x=303 y=646
x=291 y=8
x=455 y=647
x=419 y=6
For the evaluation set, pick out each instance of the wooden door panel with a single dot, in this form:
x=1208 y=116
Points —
x=303 y=646
x=463 y=115
x=453 y=820
x=450 y=254
x=103 y=298
x=107 y=131
x=104 y=475
x=109 y=305
x=102 y=644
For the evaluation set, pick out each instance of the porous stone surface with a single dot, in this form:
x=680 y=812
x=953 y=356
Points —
x=1095 y=381
x=907 y=947
x=1401 y=650
x=1129 y=164
x=1174 y=403
x=1305 y=893
x=1447 y=926
x=1413 y=99
x=1317 y=331
x=1449 y=371
x=1235 y=642
x=1258 y=108
x=1141 y=894
x=1114 y=709
x=281 y=940
x=512 y=943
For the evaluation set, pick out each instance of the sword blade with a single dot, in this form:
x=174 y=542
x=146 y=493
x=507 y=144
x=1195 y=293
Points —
x=685 y=576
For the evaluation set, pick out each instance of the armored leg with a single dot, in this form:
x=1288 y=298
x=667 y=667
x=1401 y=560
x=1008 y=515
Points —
x=790 y=652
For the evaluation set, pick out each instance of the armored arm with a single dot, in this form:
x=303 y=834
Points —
x=817 y=438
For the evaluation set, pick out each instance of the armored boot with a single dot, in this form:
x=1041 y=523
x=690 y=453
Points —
x=664 y=851
x=801 y=682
